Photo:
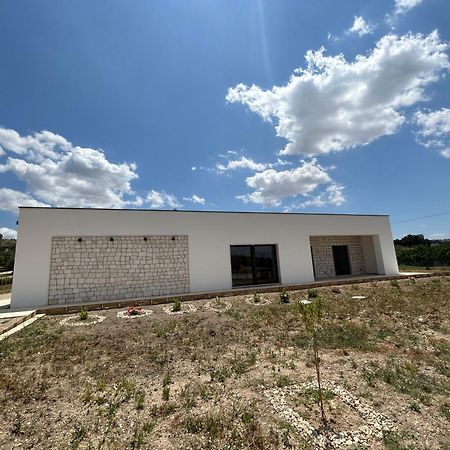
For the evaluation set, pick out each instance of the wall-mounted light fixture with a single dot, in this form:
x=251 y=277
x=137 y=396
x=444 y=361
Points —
x=80 y=240
x=111 y=239
x=173 y=238
x=145 y=239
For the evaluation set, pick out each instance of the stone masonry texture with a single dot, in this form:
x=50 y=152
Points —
x=323 y=254
x=100 y=268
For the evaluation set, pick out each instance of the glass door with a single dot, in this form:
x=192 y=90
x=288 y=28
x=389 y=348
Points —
x=254 y=264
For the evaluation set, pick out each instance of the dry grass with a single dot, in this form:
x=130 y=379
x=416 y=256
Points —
x=196 y=381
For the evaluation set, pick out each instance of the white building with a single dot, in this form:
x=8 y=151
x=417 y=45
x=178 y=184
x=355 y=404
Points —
x=67 y=255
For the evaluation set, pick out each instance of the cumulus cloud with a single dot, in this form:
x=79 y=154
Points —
x=162 y=200
x=57 y=173
x=361 y=27
x=335 y=105
x=270 y=187
x=195 y=199
x=403 y=6
x=11 y=199
x=241 y=163
x=8 y=233
x=434 y=130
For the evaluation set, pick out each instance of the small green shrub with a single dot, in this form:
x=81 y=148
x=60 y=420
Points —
x=444 y=409
x=284 y=296
x=166 y=393
x=283 y=381
x=176 y=305
x=83 y=313
x=394 y=283
x=256 y=297
x=312 y=293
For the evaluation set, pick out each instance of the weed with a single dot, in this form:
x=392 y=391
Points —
x=138 y=439
x=17 y=426
x=444 y=409
x=391 y=441
x=283 y=381
x=256 y=297
x=83 y=313
x=394 y=283
x=166 y=393
x=284 y=296
x=140 y=399
x=176 y=307
x=414 y=406
x=247 y=417
x=78 y=434
x=148 y=427
x=313 y=293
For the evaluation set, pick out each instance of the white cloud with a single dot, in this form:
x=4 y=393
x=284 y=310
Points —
x=8 y=233
x=57 y=173
x=334 y=105
x=434 y=130
x=361 y=27
x=403 y=6
x=10 y=200
x=162 y=199
x=195 y=199
x=241 y=163
x=332 y=195
x=271 y=187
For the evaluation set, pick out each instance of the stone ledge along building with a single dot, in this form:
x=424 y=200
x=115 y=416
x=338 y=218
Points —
x=73 y=255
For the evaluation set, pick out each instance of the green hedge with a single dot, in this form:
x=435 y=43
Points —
x=424 y=255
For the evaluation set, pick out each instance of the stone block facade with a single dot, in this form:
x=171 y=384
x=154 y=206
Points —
x=100 y=268
x=322 y=252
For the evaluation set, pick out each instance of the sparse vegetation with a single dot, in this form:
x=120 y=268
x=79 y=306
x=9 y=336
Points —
x=256 y=297
x=84 y=314
x=197 y=381
x=176 y=307
x=284 y=296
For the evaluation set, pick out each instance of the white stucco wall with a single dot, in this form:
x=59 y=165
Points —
x=210 y=235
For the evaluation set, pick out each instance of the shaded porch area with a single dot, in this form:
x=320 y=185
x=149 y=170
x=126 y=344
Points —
x=341 y=257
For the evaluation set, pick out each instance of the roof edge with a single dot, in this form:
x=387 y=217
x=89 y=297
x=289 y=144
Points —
x=203 y=211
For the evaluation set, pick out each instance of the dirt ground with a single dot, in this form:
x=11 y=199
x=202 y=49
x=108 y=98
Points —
x=199 y=380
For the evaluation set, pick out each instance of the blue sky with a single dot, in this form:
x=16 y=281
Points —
x=200 y=105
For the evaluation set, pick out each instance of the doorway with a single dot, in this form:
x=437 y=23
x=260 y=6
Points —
x=341 y=260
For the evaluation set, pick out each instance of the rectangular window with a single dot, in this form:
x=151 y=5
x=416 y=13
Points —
x=254 y=264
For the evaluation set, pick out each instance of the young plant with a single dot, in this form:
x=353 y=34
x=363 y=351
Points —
x=256 y=297
x=311 y=312
x=284 y=296
x=312 y=293
x=83 y=313
x=176 y=305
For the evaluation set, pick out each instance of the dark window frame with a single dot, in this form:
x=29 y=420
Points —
x=254 y=281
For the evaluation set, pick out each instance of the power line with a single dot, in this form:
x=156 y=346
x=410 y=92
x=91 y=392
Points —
x=422 y=217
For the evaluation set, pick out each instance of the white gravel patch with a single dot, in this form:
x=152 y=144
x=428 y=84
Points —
x=359 y=297
x=74 y=321
x=325 y=438
x=263 y=301
x=217 y=305
x=185 y=309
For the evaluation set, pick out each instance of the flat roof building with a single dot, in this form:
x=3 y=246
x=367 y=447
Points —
x=69 y=255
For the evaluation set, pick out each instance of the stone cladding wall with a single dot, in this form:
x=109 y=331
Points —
x=96 y=268
x=323 y=254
